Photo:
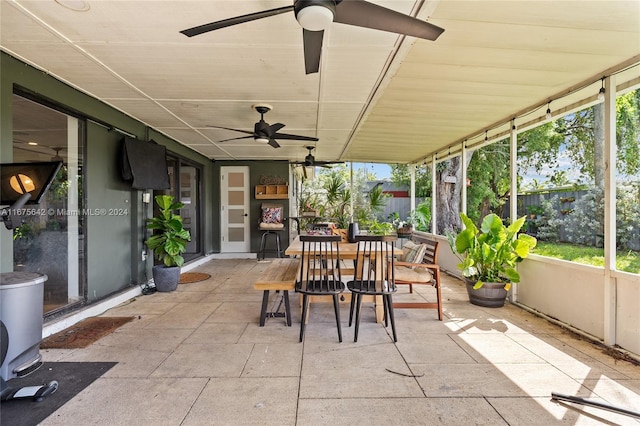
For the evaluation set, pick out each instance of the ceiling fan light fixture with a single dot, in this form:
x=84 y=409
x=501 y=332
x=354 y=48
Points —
x=21 y=183
x=315 y=17
x=262 y=140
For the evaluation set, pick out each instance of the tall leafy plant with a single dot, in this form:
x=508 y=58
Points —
x=490 y=254
x=377 y=199
x=170 y=239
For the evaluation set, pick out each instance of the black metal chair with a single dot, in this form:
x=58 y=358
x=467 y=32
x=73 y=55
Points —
x=374 y=276
x=320 y=274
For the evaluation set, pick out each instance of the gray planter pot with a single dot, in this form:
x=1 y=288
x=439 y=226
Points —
x=490 y=295
x=166 y=278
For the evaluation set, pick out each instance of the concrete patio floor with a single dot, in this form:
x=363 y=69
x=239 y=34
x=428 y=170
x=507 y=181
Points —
x=197 y=356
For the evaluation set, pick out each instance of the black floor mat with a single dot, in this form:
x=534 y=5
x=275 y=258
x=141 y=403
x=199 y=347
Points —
x=72 y=377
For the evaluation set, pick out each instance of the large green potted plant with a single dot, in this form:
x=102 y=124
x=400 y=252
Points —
x=168 y=242
x=488 y=257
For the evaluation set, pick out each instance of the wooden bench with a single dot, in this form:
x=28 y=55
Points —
x=280 y=276
x=430 y=263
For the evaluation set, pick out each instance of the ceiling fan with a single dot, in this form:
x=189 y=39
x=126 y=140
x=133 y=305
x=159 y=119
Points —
x=310 y=160
x=315 y=16
x=263 y=132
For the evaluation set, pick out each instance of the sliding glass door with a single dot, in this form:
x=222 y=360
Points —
x=49 y=238
x=186 y=186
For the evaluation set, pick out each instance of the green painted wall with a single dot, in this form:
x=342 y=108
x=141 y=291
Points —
x=110 y=237
x=114 y=242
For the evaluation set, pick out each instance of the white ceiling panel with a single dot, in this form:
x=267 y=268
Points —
x=147 y=112
x=339 y=115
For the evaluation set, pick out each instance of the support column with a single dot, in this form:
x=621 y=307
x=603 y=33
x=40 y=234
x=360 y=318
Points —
x=463 y=162
x=412 y=171
x=513 y=188
x=610 y=211
x=513 y=153
x=434 y=215
x=351 y=191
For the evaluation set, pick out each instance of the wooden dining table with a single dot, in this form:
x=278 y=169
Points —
x=348 y=251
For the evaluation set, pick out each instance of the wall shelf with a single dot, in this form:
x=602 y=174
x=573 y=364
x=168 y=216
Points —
x=272 y=192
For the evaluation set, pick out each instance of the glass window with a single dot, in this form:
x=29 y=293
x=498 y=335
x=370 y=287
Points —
x=49 y=238
x=185 y=181
x=628 y=182
x=562 y=185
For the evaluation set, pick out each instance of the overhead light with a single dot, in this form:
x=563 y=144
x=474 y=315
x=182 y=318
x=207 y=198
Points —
x=548 y=114
x=316 y=17
x=262 y=140
x=32 y=143
x=601 y=92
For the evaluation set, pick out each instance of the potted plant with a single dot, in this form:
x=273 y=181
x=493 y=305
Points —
x=380 y=228
x=488 y=257
x=167 y=243
x=535 y=211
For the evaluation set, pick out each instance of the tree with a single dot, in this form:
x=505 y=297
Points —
x=628 y=132
x=448 y=196
x=488 y=173
x=583 y=135
x=400 y=175
x=538 y=149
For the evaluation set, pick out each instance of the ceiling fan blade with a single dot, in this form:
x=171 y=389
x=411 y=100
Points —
x=201 y=29
x=368 y=15
x=314 y=163
x=295 y=137
x=229 y=128
x=273 y=143
x=235 y=139
x=312 y=50
x=325 y=163
x=273 y=129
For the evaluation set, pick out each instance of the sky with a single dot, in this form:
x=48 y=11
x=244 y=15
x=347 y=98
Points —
x=381 y=171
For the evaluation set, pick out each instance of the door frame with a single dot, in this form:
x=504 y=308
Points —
x=240 y=246
x=197 y=232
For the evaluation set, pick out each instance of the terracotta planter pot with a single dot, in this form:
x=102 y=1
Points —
x=490 y=295
x=405 y=230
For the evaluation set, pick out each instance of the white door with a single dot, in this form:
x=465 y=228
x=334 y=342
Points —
x=234 y=200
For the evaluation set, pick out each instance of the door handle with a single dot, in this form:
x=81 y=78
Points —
x=246 y=214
